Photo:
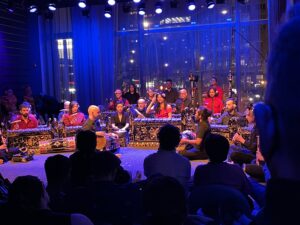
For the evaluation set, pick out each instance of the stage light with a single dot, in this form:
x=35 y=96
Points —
x=191 y=5
x=32 y=8
x=111 y=2
x=142 y=10
x=108 y=12
x=158 y=7
x=210 y=4
x=52 y=6
x=165 y=38
x=224 y=11
x=136 y=1
x=202 y=58
x=11 y=6
x=146 y=24
x=82 y=4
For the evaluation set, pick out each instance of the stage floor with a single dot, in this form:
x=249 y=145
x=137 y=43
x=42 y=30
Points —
x=132 y=160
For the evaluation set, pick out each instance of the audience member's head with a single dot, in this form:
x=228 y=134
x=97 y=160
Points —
x=278 y=120
x=169 y=137
x=141 y=104
x=216 y=147
x=122 y=176
x=57 y=168
x=132 y=88
x=212 y=92
x=67 y=105
x=169 y=83
x=28 y=193
x=73 y=107
x=105 y=166
x=86 y=141
x=183 y=94
x=93 y=112
x=118 y=93
x=164 y=202
x=213 y=81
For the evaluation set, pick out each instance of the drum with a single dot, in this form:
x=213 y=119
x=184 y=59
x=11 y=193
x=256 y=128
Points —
x=57 y=145
x=108 y=142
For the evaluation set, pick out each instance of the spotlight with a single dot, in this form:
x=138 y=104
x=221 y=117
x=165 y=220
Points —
x=82 y=4
x=191 y=5
x=52 y=6
x=11 y=6
x=107 y=12
x=111 y=2
x=158 y=7
x=142 y=10
x=32 y=8
x=136 y=1
x=210 y=4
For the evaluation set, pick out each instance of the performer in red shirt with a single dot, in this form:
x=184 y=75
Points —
x=25 y=120
x=161 y=108
x=74 y=117
x=212 y=102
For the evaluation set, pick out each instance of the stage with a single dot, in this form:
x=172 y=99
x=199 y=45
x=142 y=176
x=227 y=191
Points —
x=132 y=160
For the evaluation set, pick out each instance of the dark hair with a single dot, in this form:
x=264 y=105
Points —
x=157 y=105
x=134 y=86
x=215 y=78
x=216 y=147
x=204 y=113
x=71 y=106
x=26 y=193
x=169 y=137
x=104 y=163
x=86 y=141
x=215 y=90
x=164 y=201
x=57 y=169
x=169 y=80
x=119 y=103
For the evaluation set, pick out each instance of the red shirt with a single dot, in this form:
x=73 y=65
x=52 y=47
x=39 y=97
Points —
x=75 y=119
x=213 y=104
x=20 y=123
x=164 y=113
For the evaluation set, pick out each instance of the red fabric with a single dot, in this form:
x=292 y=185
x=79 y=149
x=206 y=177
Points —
x=75 y=119
x=19 y=123
x=163 y=113
x=214 y=104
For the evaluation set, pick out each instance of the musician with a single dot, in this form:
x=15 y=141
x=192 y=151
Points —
x=212 y=102
x=140 y=111
x=65 y=110
x=150 y=95
x=183 y=101
x=230 y=112
x=219 y=90
x=132 y=96
x=90 y=123
x=118 y=98
x=244 y=151
x=120 y=120
x=198 y=152
x=25 y=120
x=160 y=107
x=74 y=117
x=171 y=93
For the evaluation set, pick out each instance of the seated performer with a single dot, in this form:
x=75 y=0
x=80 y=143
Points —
x=161 y=108
x=183 y=101
x=90 y=123
x=219 y=90
x=212 y=102
x=64 y=111
x=118 y=98
x=203 y=130
x=25 y=120
x=150 y=95
x=229 y=113
x=140 y=111
x=74 y=117
x=120 y=120
x=244 y=151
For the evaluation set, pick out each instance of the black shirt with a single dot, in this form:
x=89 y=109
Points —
x=132 y=98
x=171 y=95
x=202 y=132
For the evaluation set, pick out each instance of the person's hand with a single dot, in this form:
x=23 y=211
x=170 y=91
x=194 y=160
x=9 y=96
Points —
x=3 y=147
x=183 y=141
x=238 y=138
x=153 y=99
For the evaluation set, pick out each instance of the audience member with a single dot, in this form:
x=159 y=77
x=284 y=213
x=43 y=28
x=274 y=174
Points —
x=58 y=170
x=231 y=111
x=183 y=101
x=170 y=92
x=140 y=111
x=28 y=97
x=118 y=98
x=160 y=107
x=212 y=102
x=166 y=161
x=81 y=159
x=28 y=204
x=132 y=96
x=219 y=90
